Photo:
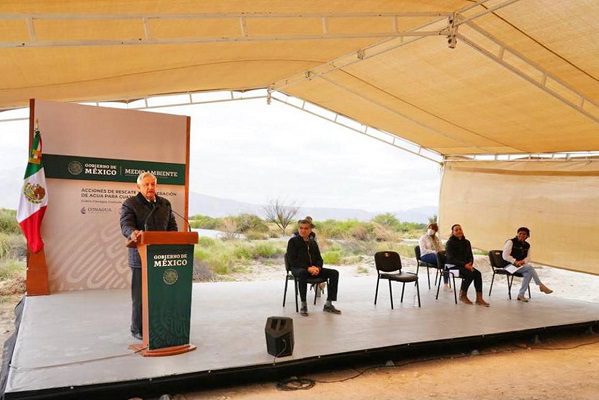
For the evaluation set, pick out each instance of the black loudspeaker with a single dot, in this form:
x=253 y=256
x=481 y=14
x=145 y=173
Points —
x=279 y=336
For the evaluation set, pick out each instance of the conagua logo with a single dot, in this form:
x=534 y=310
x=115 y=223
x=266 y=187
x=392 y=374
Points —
x=34 y=193
x=75 y=168
x=170 y=276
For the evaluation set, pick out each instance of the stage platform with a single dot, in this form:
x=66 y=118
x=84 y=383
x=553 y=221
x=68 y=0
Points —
x=75 y=344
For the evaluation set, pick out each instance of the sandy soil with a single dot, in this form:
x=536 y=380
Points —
x=565 y=367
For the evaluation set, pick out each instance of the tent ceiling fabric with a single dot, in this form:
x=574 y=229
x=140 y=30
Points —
x=522 y=78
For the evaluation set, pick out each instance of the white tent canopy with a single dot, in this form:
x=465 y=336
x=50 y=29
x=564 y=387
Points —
x=458 y=77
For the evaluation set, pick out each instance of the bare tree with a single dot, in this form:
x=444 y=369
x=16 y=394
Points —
x=280 y=214
x=229 y=227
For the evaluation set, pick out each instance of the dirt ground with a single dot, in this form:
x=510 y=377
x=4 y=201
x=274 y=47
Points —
x=556 y=367
x=562 y=368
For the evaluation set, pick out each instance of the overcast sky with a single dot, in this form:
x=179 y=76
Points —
x=252 y=152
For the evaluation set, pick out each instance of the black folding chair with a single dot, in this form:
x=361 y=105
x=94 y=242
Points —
x=388 y=266
x=428 y=266
x=498 y=265
x=289 y=276
x=420 y=263
x=453 y=273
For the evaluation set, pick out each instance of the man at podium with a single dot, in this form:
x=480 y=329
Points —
x=143 y=212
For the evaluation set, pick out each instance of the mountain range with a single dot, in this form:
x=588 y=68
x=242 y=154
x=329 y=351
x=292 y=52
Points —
x=219 y=207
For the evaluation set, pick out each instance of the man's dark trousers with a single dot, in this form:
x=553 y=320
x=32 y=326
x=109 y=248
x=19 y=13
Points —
x=136 y=324
x=303 y=275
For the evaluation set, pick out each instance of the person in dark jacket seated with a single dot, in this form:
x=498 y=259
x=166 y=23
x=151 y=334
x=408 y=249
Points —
x=458 y=252
x=305 y=261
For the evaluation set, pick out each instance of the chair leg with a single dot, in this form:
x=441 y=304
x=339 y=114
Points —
x=438 y=283
x=529 y=296
x=390 y=294
x=428 y=276
x=492 y=279
x=455 y=294
x=403 y=288
x=316 y=289
x=418 y=292
x=376 y=292
x=285 y=291
x=509 y=286
x=295 y=286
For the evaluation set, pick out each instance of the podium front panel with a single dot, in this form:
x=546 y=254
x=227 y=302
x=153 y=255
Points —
x=170 y=272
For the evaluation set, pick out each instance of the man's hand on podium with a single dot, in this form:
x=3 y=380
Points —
x=132 y=241
x=135 y=235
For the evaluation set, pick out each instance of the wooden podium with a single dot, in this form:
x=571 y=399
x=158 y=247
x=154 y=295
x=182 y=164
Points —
x=167 y=271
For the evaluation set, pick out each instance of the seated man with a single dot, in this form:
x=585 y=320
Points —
x=305 y=261
x=516 y=251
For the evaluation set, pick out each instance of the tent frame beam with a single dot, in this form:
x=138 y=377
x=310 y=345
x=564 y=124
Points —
x=244 y=34
x=542 y=84
x=199 y=40
x=373 y=133
x=390 y=139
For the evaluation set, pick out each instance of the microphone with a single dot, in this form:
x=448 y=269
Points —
x=154 y=207
x=183 y=218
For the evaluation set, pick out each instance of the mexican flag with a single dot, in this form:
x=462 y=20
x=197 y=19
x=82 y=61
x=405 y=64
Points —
x=34 y=198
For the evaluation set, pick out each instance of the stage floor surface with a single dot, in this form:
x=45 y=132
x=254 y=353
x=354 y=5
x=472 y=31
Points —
x=74 y=339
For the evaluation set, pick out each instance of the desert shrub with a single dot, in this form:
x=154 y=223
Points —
x=220 y=264
x=12 y=245
x=383 y=233
x=334 y=229
x=250 y=222
x=242 y=251
x=404 y=250
x=254 y=235
x=202 y=272
x=8 y=221
x=229 y=227
x=332 y=257
x=12 y=269
x=206 y=242
x=351 y=259
x=360 y=232
x=388 y=220
x=268 y=250
x=204 y=222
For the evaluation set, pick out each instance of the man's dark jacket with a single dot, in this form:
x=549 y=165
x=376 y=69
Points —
x=134 y=212
x=458 y=251
x=302 y=254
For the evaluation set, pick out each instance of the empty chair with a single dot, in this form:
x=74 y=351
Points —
x=314 y=281
x=498 y=265
x=388 y=266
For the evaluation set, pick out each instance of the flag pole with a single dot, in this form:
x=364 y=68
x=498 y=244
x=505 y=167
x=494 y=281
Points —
x=37 y=269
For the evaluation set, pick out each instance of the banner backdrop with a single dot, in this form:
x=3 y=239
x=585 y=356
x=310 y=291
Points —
x=92 y=156
x=554 y=199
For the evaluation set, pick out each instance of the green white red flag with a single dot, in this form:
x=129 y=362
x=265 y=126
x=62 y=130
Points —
x=34 y=197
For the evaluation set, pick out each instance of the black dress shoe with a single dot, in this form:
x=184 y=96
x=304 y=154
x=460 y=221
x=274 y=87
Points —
x=137 y=335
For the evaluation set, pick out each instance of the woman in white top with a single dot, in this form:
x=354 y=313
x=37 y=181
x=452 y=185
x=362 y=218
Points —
x=430 y=245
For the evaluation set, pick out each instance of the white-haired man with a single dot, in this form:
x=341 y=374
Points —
x=144 y=211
